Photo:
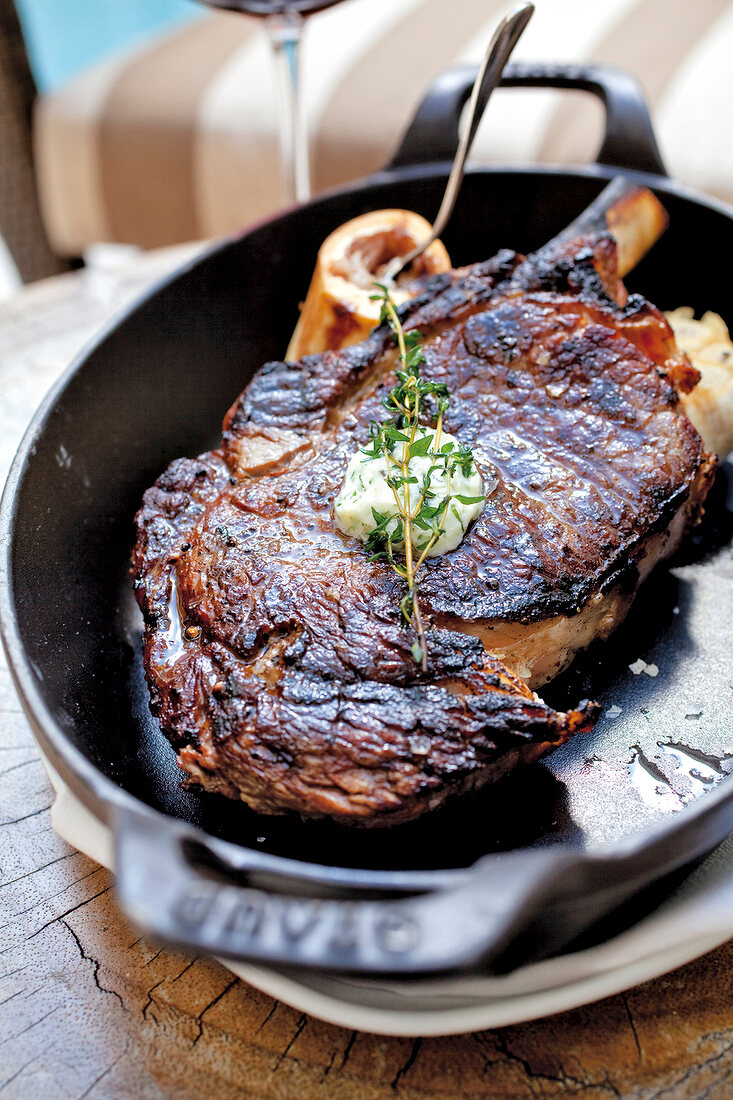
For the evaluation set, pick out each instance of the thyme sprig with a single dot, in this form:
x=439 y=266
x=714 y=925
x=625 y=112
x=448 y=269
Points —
x=399 y=439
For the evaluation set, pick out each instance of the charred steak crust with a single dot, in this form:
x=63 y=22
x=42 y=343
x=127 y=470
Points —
x=273 y=648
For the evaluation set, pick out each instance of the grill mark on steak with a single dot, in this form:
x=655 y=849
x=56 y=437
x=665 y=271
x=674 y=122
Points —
x=365 y=750
x=293 y=685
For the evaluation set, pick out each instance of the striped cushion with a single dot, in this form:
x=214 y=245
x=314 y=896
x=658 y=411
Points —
x=176 y=140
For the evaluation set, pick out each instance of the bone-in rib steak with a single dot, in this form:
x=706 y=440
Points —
x=276 y=660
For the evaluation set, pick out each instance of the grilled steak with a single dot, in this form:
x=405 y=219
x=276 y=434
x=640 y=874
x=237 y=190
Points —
x=277 y=663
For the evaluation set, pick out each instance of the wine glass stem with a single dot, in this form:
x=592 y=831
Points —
x=285 y=33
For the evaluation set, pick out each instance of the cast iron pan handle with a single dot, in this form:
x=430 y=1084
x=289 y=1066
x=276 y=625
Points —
x=168 y=885
x=628 y=142
x=174 y=883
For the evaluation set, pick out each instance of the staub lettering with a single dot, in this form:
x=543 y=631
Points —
x=194 y=908
x=396 y=933
x=246 y=917
x=272 y=926
x=345 y=934
x=299 y=918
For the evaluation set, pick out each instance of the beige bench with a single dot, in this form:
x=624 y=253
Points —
x=176 y=140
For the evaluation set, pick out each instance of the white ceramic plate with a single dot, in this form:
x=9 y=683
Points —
x=697 y=917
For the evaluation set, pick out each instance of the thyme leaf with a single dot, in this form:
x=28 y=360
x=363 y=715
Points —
x=399 y=439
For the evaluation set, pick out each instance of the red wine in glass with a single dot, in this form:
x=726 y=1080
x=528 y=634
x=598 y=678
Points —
x=284 y=24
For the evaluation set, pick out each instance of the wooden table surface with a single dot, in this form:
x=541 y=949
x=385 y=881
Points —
x=89 y=1009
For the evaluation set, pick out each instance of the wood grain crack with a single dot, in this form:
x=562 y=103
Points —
x=17 y=767
x=149 y=1001
x=31 y=1025
x=37 y=870
x=403 y=1070
x=26 y=817
x=634 y=1032
x=105 y=1072
x=9 y=973
x=674 y=1089
x=268 y=1017
x=185 y=969
x=16 y=994
x=347 y=1052
x=61 y=916
x=561 y=1078
x=200 y=1017
x=16 y=1075
x=66 y=888
x=154 y=957
x=95 y=966
x=298 y=1032
x=327 y=1069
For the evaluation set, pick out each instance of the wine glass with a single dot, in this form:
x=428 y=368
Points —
x=284 y=21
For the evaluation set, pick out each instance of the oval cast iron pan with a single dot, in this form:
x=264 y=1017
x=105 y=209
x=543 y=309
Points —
x=517 y=872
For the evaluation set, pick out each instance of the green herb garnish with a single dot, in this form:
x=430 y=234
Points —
x=398 y=439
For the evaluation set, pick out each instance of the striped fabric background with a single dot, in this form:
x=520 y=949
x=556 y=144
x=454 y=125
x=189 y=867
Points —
x=176 y=141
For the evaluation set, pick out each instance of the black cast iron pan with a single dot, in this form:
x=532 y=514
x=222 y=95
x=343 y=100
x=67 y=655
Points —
x=519 y=870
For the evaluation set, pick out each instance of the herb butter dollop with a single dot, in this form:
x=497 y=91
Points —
x=445 y=493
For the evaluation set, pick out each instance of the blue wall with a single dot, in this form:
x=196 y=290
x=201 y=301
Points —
x=64 y=36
